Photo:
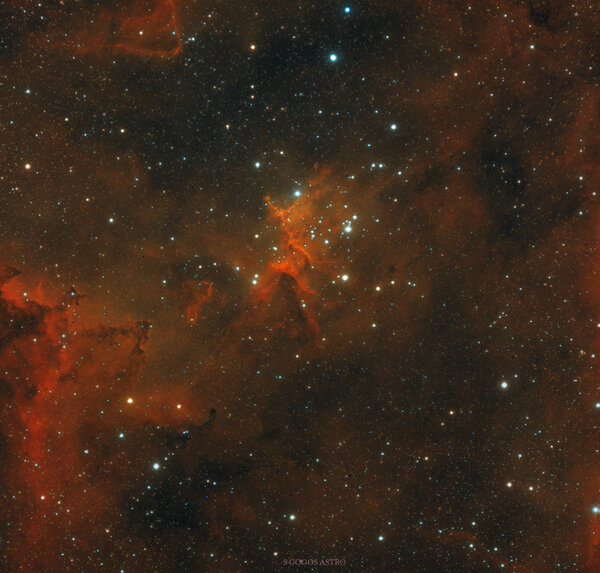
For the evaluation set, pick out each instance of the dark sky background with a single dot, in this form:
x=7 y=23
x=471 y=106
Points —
x=299 y=280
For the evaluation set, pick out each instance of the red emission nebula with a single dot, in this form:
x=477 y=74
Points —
x=145 y=29
x=300 y=286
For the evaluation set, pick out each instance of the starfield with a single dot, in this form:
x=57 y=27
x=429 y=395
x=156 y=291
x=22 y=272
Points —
x=299 y=286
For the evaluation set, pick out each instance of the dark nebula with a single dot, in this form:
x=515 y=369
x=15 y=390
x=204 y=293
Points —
x=304 y=286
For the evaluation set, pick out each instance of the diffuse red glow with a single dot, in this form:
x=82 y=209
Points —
x=301 y=257
x=285 y=290
x=594 y=545
x=194 y=295
x=148 y=28
x=287 y=278
x=292 y=238
x=52 y=367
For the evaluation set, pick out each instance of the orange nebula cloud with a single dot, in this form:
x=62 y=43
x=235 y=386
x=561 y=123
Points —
x=292 y=237
x=594 y=544
x=285 y=285
x=194 y=295
x=284 y=298
x=52 y=368
x=148 y=28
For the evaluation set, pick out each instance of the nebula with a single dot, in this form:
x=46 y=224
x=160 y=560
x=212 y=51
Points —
x=145 y=29
x=299 y=282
